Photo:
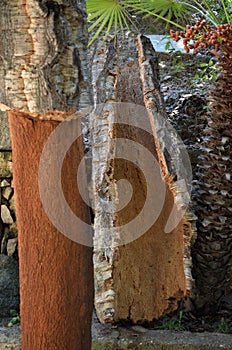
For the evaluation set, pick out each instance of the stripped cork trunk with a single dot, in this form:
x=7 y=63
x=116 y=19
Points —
x=44 y=67
x=56 y=279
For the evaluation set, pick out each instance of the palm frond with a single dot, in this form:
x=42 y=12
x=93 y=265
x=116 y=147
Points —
x=108 y=14
x=227 y=7
x=164 y=8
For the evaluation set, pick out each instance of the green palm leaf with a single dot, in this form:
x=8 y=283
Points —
x=161 y=8
x=107 y=14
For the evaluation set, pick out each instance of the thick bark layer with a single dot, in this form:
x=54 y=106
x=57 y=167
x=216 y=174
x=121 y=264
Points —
x=43 y=55
x=145 y=278
x=56 y=276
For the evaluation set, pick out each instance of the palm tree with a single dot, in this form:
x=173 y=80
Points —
x=212 y=250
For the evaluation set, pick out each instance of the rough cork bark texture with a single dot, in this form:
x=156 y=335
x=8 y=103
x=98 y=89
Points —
x=145 y=278
x=56 y=274
x=43 y=55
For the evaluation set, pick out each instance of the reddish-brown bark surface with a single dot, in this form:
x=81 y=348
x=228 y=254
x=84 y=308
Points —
x=55 y=273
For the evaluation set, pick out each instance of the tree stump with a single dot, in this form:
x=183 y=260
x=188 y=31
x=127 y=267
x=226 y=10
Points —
x=141 y=271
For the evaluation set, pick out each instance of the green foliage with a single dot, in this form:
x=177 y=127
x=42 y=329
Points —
x=13 y=313
x=221 y=10
x=173 y=324
x=14 y=321
x=108 y=14
x=214 y=11
x=163 y=9
x=169 y=44
x=223 y=327
x=177 y=61
x=207 y=71
x=15 y=318
x=105 y=15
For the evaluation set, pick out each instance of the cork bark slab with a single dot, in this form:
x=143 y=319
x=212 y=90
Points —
x=144 y=279
x=56 y=275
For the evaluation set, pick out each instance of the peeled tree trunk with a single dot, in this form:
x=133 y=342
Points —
x=56 y=281
x=212 y=251
x=44 y=68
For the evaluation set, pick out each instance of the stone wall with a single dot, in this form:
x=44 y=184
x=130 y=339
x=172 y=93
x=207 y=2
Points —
x=9 y=279
x=8 y=229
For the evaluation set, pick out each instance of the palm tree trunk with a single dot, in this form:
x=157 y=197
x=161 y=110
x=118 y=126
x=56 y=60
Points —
x=212 y=251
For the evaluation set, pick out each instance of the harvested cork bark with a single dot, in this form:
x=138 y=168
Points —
x=138 y=277
x=56 y=274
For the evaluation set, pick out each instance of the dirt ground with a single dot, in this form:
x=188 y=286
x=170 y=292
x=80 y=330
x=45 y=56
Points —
x=108 y=337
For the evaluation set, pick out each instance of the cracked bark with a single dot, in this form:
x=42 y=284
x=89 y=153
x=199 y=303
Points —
x=43 y=55
x=44 y=67
x=144 y=279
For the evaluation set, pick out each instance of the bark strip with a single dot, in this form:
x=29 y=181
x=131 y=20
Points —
x=144 y=279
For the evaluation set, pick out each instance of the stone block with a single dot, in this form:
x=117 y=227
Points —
x=12 y=203
x=6 y=193
x=5 y=141
x=5 y=183
x=13 y=231
x=11 y=246
x=5 y=164
x=5 y=215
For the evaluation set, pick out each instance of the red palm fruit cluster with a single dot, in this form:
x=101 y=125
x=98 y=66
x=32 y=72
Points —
x=205 y=36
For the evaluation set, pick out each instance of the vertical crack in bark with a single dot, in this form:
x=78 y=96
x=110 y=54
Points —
x=104 y=70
